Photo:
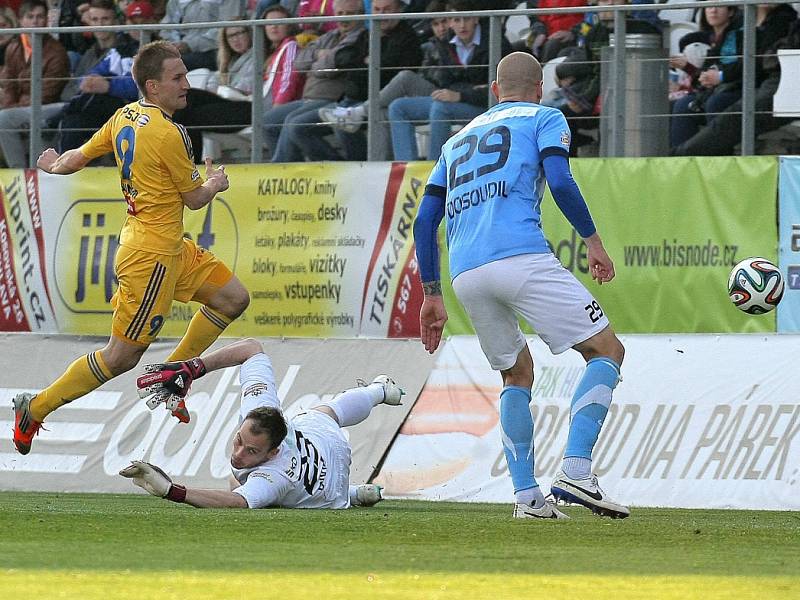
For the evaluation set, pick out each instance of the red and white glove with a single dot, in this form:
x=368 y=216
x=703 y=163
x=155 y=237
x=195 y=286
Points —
x=162 y=381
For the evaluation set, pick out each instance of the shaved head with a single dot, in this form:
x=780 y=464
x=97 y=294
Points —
x=519 y=75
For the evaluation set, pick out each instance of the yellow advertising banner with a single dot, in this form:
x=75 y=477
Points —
x=322 y=248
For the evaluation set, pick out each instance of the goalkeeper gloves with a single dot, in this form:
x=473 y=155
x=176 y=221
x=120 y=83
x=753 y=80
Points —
x=154 y=481
x=169 y=382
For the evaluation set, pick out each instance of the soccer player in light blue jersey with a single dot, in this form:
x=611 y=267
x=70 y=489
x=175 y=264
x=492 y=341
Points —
x=488 y=185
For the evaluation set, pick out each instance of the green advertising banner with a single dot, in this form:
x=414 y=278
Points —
x=674 y=227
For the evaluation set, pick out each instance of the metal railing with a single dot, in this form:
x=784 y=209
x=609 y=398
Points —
x=616 y=113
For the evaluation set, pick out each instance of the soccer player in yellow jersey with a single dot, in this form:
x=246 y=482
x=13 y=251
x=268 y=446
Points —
x=154 y=264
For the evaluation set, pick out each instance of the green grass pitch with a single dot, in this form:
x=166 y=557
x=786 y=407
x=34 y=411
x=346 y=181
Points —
x=91 y=546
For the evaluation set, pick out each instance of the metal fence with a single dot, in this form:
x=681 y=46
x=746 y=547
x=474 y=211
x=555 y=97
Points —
x=614 y=114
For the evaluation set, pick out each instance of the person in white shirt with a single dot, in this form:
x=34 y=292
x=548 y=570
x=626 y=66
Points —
x=302 y=462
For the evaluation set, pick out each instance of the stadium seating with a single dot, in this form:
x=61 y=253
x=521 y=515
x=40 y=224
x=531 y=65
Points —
x=677 y=15
x=199 y=78
x=518 y=26
x=549 y=75
x=678 y=29
x=787 y=98
x=786 y=103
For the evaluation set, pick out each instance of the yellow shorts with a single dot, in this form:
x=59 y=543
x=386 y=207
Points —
x=148 y=283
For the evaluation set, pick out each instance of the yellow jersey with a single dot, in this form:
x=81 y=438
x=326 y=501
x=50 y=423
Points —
x=155 y=160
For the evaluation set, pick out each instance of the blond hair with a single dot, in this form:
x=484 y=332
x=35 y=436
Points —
x=149 y=62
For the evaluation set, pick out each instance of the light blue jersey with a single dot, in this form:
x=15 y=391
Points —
x=494 y=180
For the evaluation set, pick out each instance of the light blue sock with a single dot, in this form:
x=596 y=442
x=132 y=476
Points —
x=517 y=432
x=590 y=405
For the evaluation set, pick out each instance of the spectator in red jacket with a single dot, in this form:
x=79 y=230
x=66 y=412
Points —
x=229 y=108
x=282 y=82
x=308 y=32
x=325 y=82
x=552 y=33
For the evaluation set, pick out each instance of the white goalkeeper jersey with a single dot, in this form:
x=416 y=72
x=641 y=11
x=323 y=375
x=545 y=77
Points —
x=312 y=466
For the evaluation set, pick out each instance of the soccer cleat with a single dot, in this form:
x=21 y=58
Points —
x=347 y=118
x=546 y=511
x=392 y=393
x=175 y=404
x=24 y=425
x=181 y=412
x=588 y=493
x=368 y=494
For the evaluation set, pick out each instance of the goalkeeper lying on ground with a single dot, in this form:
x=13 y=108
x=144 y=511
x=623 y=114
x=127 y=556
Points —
x=302 y=463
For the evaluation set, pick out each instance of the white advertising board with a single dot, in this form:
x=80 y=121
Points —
x=699 y=421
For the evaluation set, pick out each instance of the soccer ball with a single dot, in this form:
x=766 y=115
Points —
x=755 y=285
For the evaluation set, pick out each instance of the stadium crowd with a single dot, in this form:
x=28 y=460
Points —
x=434 y=72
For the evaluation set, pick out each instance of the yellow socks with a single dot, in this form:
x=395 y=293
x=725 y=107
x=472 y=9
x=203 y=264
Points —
x=87 y=373
x=205 y=327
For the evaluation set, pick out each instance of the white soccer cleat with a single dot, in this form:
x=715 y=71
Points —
x=546 y=511
x=368 y=494
x=588 y=493
x=392 y=393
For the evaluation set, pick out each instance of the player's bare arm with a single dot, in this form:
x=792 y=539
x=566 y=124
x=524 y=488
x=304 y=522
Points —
x=232 y=354
x=157 y=483
x=71 y=161
x=216 y=182
x=601 y=266
x=162 y=380
x=200 y=498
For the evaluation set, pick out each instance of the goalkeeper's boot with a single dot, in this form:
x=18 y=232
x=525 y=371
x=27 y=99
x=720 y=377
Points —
x=392 y=393
x=24 y=425
x=181 y=412
x=588 y=493
x=547 y=511
x=368 y=494
x=177 y=406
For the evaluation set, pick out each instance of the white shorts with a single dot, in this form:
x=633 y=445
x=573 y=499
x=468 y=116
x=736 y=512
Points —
x=331 y=442
x=537 y=288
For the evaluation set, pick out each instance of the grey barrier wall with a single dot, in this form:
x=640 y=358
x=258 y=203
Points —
x=90 y=439
x=614 y=114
